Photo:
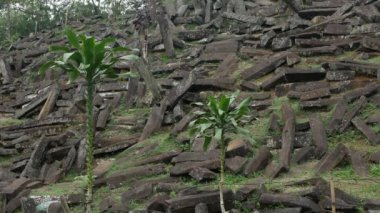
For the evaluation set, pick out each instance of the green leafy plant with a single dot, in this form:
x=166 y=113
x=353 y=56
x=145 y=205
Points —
x=89 y=59
x=218 y=117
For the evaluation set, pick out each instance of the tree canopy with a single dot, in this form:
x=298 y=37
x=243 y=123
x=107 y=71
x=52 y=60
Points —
x=22 y=17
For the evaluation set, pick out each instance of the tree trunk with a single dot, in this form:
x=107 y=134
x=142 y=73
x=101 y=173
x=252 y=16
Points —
x=96 y=8
x=9 y=30
x=165 y=32
x=222 y=158
x=142 y=68
x=90 y=142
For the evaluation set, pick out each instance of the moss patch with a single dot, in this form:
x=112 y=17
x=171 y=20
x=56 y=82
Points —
x=4 y=122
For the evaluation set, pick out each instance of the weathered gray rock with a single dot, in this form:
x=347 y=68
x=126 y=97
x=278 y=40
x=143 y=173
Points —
x=282 y=210
x=193 y=35
x=266 y=39
x=202 y=174
x=359 y=67
x=337 y=29
x=186 y=167
x=363 y=91
x=238 y=147
x=235 y=164
x=366 y=28
x=316 y=94
x=219 y=50
x=186 y=204
x=259 y=162
x=288 y=133
x=201 y=208
x=196 y=156
x=368 y=13
x=373 y=119
x=317 y=51
x=274 y=169
x=371 y=135
x=198 y=145
x=117 y=179
x=340 y=75
x=228 y=65
x=289 y=200
x=5 y=72
x=358 y=163
x=279 y=44
x=264 y=67
x=257 y=20
x=34 y=103
x=331 y=160
x=319 y=135
x=371 y=43
x=32 y=169
x=303 y=154
x=248 y=190
x=274 y=123
x=136 y=193
x=337 y=116
x=214 y=84
x=351 y=113
x=161 y=158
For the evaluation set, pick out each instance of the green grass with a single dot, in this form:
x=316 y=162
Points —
x=375 y=170
x=344 y=173
x=369 y=109
x=6 y=161
x=136 y=205
x=165 y=58
x=278 y=102
x=348 y=55
x=236 y=181
x=243 y=64
x=350 y=135
x=64 y=188
x=4 y=122
x=258 y=131
x=166 y=144
x=374 y=60
x=71 y=176
x=115 y=130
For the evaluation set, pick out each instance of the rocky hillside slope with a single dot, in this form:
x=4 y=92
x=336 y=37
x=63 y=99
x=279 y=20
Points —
x=312 y=71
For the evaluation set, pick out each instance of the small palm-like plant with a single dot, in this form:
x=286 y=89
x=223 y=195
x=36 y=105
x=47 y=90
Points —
x=89 y=59
x=218 y=117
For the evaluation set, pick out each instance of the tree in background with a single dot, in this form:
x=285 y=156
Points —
x=90 y=60
x=219 y=117
x=22 y=17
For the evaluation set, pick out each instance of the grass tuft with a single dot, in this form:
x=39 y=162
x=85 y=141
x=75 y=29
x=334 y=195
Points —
x=375 y=170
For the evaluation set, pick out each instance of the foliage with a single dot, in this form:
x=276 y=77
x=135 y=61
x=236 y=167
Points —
x=90 y=59
x=20 y=18
x=375 y=170
x=220 y=116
